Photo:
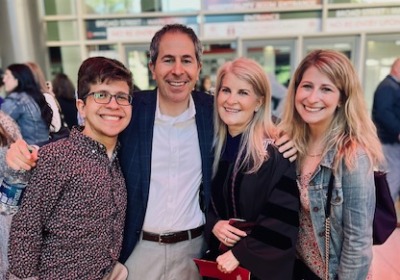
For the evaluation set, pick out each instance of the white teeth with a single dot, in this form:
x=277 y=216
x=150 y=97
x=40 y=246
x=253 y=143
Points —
x=110 y=118
x=176 y=84
x=231 y=110
x=312 y=109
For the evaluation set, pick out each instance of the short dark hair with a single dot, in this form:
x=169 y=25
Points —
x=99 y=70
x=174 y=28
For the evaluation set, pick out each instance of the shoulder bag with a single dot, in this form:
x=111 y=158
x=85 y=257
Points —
x=385 y=220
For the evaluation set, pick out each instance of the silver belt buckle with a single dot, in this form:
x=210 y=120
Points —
x=160 y=237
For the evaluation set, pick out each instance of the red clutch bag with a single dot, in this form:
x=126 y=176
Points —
x=210 y=269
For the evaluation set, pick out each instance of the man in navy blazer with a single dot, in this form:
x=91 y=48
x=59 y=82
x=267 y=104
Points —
x=166 y=157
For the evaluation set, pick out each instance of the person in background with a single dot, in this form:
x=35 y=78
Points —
x=26 y=104
x=326 y=117
x=64 y=91
x=46 y=89
x=386 y=115
x=252 y=180
x=9 y=132
x=206 y=84
x=70 y=223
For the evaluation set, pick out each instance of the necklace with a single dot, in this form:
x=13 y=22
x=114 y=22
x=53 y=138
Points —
x=314 y=155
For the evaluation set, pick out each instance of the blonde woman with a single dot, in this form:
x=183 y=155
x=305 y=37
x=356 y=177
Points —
x=326 y=117
x=252 y=180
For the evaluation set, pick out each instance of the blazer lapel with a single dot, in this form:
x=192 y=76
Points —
x=146 y=124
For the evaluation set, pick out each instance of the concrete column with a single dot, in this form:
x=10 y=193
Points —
x=21 y=33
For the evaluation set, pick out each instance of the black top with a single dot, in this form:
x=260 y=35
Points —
x=268 y=197
x=69 y=110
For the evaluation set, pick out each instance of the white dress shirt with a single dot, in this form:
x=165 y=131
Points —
x=176 y=174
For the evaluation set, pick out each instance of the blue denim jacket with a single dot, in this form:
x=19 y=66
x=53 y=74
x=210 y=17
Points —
x=352 y=213
x=26 y=112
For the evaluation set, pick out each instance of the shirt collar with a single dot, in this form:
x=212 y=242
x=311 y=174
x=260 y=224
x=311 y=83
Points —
x=188 y=114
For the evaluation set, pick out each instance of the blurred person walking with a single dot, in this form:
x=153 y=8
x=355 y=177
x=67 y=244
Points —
x=64 y=91
x=26 y=104
x=57 y=121
x=206 y=85
x=386 y=115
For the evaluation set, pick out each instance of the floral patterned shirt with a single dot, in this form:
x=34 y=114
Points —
x=307 y=246
x=71 y=220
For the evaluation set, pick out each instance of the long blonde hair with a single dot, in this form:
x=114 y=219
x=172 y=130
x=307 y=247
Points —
x=252 y=151
x=351 y=126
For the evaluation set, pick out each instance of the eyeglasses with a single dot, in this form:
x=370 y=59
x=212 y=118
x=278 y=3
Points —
x=104 y=97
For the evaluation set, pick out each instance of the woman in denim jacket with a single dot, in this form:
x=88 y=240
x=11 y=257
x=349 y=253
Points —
x=26 y=104
x=326 y=117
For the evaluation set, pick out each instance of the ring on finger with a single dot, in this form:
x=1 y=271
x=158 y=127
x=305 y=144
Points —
x=226 y=238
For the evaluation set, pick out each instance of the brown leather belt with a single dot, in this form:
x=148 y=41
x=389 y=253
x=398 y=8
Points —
x=173 y=237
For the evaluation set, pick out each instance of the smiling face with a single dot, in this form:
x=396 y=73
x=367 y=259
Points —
x=10 y=82
x=236 y=103
x=176 y=71
x=103 y=122
x=316 y=99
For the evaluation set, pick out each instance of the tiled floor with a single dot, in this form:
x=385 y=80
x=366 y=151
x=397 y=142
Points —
x=386 y=260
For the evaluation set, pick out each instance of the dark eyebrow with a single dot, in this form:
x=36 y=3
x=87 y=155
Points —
x=105 y=91
x=188 y=56
x=167 y=56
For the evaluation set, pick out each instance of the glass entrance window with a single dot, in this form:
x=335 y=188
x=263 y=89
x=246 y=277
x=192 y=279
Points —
x=381 y=51
x=64 y=60
x=59 y=7
x=138 y=60
x=277 y=59
x=214 y=55
x=345 y=45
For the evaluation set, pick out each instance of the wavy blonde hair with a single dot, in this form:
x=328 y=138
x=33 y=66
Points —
x=252 y=151
x=351 y=126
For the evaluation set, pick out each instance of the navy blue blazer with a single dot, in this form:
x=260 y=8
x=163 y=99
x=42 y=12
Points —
x=135 y=158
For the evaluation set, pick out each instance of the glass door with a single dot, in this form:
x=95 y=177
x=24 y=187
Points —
x=381 y=51
x=346 y=44
x=214 y=55
x=138 y=60
x=277 y=59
